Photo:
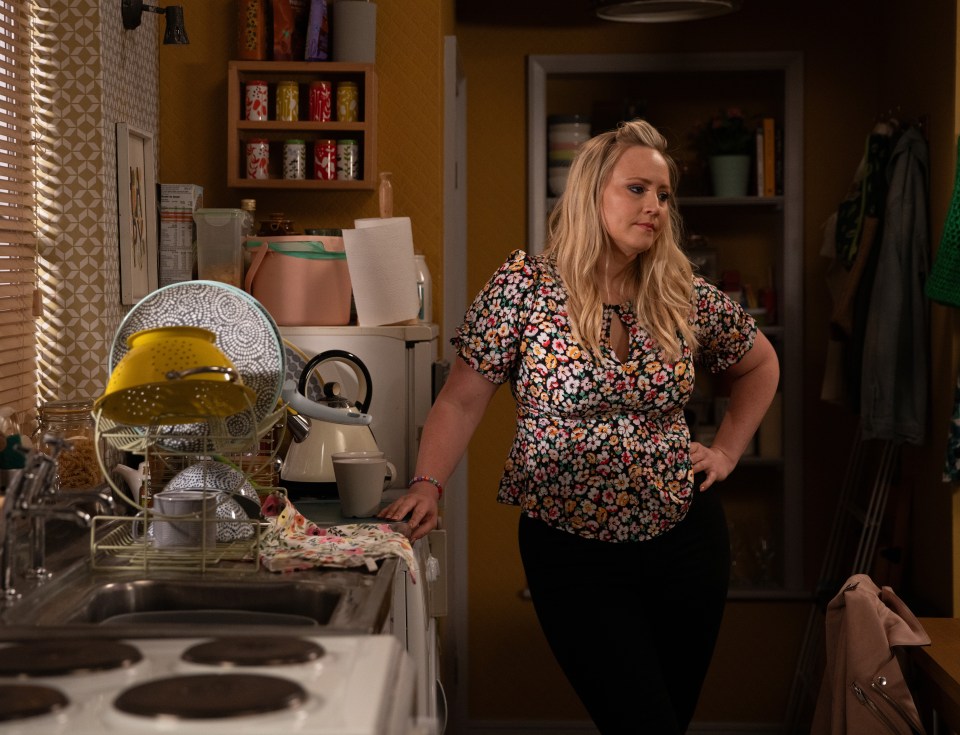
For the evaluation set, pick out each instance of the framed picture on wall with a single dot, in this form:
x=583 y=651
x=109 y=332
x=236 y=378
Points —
x=137 y=200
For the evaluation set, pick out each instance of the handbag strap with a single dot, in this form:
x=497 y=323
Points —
x=255 y=266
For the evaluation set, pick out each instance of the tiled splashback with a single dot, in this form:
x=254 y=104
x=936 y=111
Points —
x=97 y=74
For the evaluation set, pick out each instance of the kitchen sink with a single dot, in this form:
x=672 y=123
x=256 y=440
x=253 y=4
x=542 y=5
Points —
x=333 y=600
x=325 y=600
x=157 y=601
x=233 y=594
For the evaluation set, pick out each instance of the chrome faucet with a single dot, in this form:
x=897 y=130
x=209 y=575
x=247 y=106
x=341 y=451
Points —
x=33 y=496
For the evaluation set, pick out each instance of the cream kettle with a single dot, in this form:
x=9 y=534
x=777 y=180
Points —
x=336 y=425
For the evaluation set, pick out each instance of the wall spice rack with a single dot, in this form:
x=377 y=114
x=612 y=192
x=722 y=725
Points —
x=240 y=130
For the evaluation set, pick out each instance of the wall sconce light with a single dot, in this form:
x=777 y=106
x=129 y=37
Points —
x=662 y=11
x=175 y=33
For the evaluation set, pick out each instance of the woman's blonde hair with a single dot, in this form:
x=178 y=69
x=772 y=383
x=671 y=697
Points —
x=660 y=280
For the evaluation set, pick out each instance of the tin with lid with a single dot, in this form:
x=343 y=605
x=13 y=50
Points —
x=258 y=158
x=348 y=102
x=321 y=101
x=294 y=159
x=325 y=160
x=288 y=101
x=348 y=160
x=256 y=103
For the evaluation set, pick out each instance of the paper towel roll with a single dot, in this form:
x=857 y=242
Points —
x=354 y=25
x=400 y=222
x=382 y=270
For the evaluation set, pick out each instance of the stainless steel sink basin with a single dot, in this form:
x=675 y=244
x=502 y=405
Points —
x=80 y=594
x=335 y=600
x=313 y=603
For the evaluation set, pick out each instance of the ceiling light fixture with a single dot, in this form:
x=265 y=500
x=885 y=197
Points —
x=662 y=11
x=175 y=32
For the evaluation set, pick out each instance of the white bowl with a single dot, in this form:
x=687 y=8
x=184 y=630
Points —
x=564 y=147
x=212 y=475
x=557 y=138
x=576 y=128
x=228 y=509
x=555 y=157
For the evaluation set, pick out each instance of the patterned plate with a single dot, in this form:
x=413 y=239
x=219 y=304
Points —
x=245 y=332
x=297 y=360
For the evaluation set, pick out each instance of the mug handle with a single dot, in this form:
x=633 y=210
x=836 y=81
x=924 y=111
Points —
x=391 y=474
x=136 y=523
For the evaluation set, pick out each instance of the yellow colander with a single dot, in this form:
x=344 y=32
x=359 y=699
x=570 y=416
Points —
x=170 y=373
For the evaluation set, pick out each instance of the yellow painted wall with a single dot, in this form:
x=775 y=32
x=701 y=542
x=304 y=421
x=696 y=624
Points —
x=193 y=122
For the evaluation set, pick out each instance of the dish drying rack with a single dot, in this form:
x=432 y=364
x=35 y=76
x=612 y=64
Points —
x=123 y=548
x=171 y=443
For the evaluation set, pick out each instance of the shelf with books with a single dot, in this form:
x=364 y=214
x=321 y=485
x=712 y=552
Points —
x=768 y=158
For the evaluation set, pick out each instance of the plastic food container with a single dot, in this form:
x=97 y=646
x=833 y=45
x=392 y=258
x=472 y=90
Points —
x=301 y=280
x=220 y=245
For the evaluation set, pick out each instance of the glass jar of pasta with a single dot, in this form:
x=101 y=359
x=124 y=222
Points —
x=77 y=466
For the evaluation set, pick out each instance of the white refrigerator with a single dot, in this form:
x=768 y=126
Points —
x=402 y=361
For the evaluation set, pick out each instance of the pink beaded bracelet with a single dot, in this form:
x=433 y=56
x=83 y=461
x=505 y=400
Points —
x=425 y=478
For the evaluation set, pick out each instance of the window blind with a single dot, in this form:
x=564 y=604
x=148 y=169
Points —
x=18 y=277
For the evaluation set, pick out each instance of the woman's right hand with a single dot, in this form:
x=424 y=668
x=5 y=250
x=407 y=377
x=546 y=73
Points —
x=420 y=504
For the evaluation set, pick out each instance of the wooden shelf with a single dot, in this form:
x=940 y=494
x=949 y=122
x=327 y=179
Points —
x=239 y=130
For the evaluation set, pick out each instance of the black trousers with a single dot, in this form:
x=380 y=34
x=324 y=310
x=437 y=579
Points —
x=633 y=625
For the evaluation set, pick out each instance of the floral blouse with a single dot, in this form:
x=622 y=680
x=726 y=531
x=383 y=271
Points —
x=601 y=447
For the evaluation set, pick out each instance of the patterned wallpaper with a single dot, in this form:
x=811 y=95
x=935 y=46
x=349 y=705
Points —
x=98 y=74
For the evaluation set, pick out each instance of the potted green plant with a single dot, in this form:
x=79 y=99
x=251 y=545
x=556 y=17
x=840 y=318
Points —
x=727 y=142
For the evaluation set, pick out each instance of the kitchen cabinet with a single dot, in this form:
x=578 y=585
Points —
x=417 y=603
x=759 y=237
x=240 y=130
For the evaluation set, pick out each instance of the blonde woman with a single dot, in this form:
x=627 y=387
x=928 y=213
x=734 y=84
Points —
x=622 y=535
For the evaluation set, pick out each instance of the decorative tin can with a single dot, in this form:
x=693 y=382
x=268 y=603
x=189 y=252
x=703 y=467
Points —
x=348 y=160
x=321 y=101
x=348 y=102
x=294 y=159
x=258 y=158
x=325 y=160
x=288 y=101
x=257 y=100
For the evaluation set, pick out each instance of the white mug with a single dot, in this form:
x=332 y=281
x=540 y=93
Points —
x=372 y=453
x=184 y=518
x=360 y=483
